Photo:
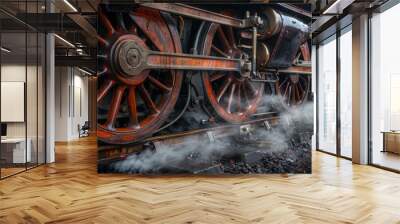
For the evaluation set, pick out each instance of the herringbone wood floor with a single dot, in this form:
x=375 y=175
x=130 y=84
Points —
x=70 y=191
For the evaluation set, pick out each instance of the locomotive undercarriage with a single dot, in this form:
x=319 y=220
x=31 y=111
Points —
x=168 y=69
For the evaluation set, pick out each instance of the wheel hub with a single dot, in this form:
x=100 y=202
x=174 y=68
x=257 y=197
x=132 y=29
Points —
x=127 y=57
x=236 y=53
x=133 y=57
x=294 y=79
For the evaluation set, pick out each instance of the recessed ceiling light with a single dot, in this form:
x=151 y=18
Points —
x=84 y=71
x=70 y=5
x=5 y=50
x=338 y=6
x=64 y=40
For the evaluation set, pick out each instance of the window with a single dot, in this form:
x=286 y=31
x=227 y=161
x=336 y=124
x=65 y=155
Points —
x=22 y=77
x=327 y=96
x=346 y=93
x=385 y=89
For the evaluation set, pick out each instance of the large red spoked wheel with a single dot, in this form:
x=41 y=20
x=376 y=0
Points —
x=232 y=96
x=294 y=88
x=133 y=105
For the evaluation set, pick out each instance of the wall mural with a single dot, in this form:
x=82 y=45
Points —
x=204 y=89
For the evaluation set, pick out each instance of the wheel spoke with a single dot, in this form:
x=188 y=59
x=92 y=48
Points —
x=104 y=89
x=106 y=23
x=133 y=107
x=216 y=76
x=159 y=84
x=223 y=89
x=219 y=51
x=223 y=39
x=102 y=41
x=286 y=90
x=297 y=92
x=294 y=88
x=231 y=96
x=154 y=27
x=305 y=51
x=121 y=22
x=290 y=94
x=239 y=98
x=133 y=29
x=147 y=100
x=104 y=71
x=284 y=82
x=253 y=91
x=114 y=107
x=102 y=56
x=231 y=36
x=246 y=96
x=301 y=87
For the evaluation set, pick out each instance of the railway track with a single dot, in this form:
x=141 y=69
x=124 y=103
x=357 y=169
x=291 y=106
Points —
x=109 y=154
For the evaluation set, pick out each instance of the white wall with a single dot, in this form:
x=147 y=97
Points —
x=71 y=102
x=33 y=127
x=16 y=73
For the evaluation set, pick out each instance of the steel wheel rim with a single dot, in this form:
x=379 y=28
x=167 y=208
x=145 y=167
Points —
x=228 y=94
x=148 y=98
x=294 y=88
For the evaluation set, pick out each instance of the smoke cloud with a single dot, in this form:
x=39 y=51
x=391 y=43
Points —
x=277 y=138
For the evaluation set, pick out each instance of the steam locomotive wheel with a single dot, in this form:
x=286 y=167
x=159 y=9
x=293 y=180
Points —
x=133 y=105
x=232 y=95
x=294 y=88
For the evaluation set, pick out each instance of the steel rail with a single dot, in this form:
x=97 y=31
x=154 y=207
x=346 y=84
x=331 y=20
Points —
x=272 y=119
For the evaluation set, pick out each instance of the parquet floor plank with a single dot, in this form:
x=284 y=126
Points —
x=71 y=191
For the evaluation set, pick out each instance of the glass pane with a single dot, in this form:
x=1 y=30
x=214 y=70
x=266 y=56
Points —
x=327 y=96
x=13 y=86
x=32 y=110
x=314 y=90
x=31 y=98
x=41 y=99
x=346 y=94
x=385 y=86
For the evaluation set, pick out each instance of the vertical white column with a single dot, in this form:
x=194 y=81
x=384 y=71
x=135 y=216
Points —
x=314 y=90
x=360 y=90
x=50 y=99
x=50 y=92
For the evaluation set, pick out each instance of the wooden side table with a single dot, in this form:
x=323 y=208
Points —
x=391 y=141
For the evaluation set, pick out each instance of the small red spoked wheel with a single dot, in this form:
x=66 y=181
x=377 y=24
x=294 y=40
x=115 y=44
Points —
x=294 y=88
x=233 y=97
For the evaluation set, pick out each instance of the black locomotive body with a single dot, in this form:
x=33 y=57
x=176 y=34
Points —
x=167 y=68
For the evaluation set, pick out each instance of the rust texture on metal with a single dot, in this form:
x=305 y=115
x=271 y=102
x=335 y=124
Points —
x=111 y=153
x=161 y=60
x=197 y=13
x=234 y=98
x=241 y=58
x=136 y=105
x=294 y=86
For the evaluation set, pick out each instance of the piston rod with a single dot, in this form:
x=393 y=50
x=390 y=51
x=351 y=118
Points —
x=134 y=59
x=201 y=14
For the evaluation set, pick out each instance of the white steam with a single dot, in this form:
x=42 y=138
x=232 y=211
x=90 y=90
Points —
x=278 y=139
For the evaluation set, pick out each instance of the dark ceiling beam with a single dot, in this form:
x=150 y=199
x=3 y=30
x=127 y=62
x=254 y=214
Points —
x=80 y=20
x=81 y=61
x=83 y=23
x=49 y=22
x=14 y=17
